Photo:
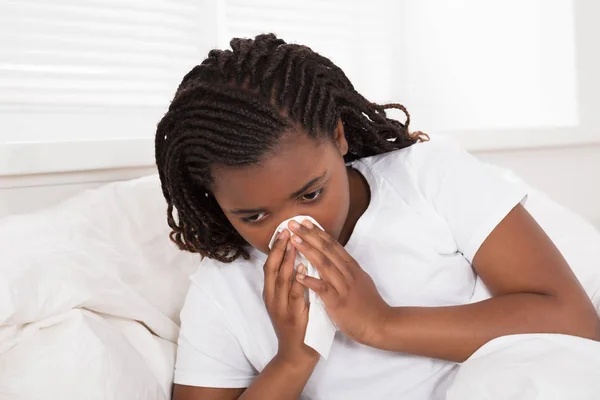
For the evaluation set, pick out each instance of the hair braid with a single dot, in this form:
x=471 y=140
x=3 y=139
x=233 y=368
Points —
x=233 y=108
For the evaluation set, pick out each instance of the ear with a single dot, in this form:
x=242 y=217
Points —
x=339 y=138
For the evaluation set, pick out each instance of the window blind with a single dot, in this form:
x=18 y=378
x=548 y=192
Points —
x=353 y=34
x=98 y=52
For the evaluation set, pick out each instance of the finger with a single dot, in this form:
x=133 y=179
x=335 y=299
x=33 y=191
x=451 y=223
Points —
x=328 y=246
x=273 y=263
x=296 y=302
x=283 y=281
x=320 y=287
x=328 y=271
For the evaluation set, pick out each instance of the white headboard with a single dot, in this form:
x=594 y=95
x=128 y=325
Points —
x=34 y=175
x=24 y=193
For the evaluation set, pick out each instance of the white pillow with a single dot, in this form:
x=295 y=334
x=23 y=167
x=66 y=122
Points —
x=106 y=250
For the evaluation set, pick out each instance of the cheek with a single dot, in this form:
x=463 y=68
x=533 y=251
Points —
x=333 y=210
x=338 y=212
x=257 y=236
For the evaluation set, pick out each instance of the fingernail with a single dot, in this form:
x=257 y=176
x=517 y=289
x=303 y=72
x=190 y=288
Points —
x=294 y=224
x=307 y=223
x=300 y=272
x=277 y=236
x=297 y=239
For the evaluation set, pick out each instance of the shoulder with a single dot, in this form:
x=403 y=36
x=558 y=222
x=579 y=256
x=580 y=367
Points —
x=421 y=166
x=217 y=279
x=420 y=154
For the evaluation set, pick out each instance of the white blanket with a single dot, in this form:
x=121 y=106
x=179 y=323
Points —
x=83 y=355
x=530 y=367
x=90 y=295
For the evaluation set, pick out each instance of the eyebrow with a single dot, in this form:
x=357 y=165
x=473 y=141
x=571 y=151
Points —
x=292 y=196
x=308 y=185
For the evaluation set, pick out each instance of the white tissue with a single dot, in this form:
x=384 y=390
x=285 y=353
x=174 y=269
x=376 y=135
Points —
x=320 y=330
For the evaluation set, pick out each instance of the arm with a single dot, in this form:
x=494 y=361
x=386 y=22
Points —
x=288 y=372
x=535 y=292
x=182 y=392
x=279 y=380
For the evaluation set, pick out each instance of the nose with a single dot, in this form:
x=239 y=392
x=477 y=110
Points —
x=292 y=213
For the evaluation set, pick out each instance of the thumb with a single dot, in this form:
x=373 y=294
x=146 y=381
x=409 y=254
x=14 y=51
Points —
x=296 y=299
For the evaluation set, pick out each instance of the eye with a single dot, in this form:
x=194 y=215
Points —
x=253 y=219
x=312 y=196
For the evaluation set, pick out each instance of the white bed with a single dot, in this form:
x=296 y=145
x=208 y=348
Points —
x=91 y=288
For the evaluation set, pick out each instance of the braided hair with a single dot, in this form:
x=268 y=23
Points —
x=234 y=108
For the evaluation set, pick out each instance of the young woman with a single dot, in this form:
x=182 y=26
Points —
x=267 y=131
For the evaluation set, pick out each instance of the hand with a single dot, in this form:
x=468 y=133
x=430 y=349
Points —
x=348 y=292
x=284 y=298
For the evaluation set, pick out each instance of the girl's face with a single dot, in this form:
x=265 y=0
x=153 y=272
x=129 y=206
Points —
x=304 y=176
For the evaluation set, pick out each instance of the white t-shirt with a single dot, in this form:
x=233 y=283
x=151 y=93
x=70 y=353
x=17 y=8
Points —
x=432 y=205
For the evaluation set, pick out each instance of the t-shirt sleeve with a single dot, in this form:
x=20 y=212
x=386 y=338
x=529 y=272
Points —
x=473 y=197
x=208 y=354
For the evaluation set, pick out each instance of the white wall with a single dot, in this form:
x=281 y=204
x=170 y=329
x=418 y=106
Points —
x=44 y=151
x=571 y=176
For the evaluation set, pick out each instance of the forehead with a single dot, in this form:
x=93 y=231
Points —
x=296 y=160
